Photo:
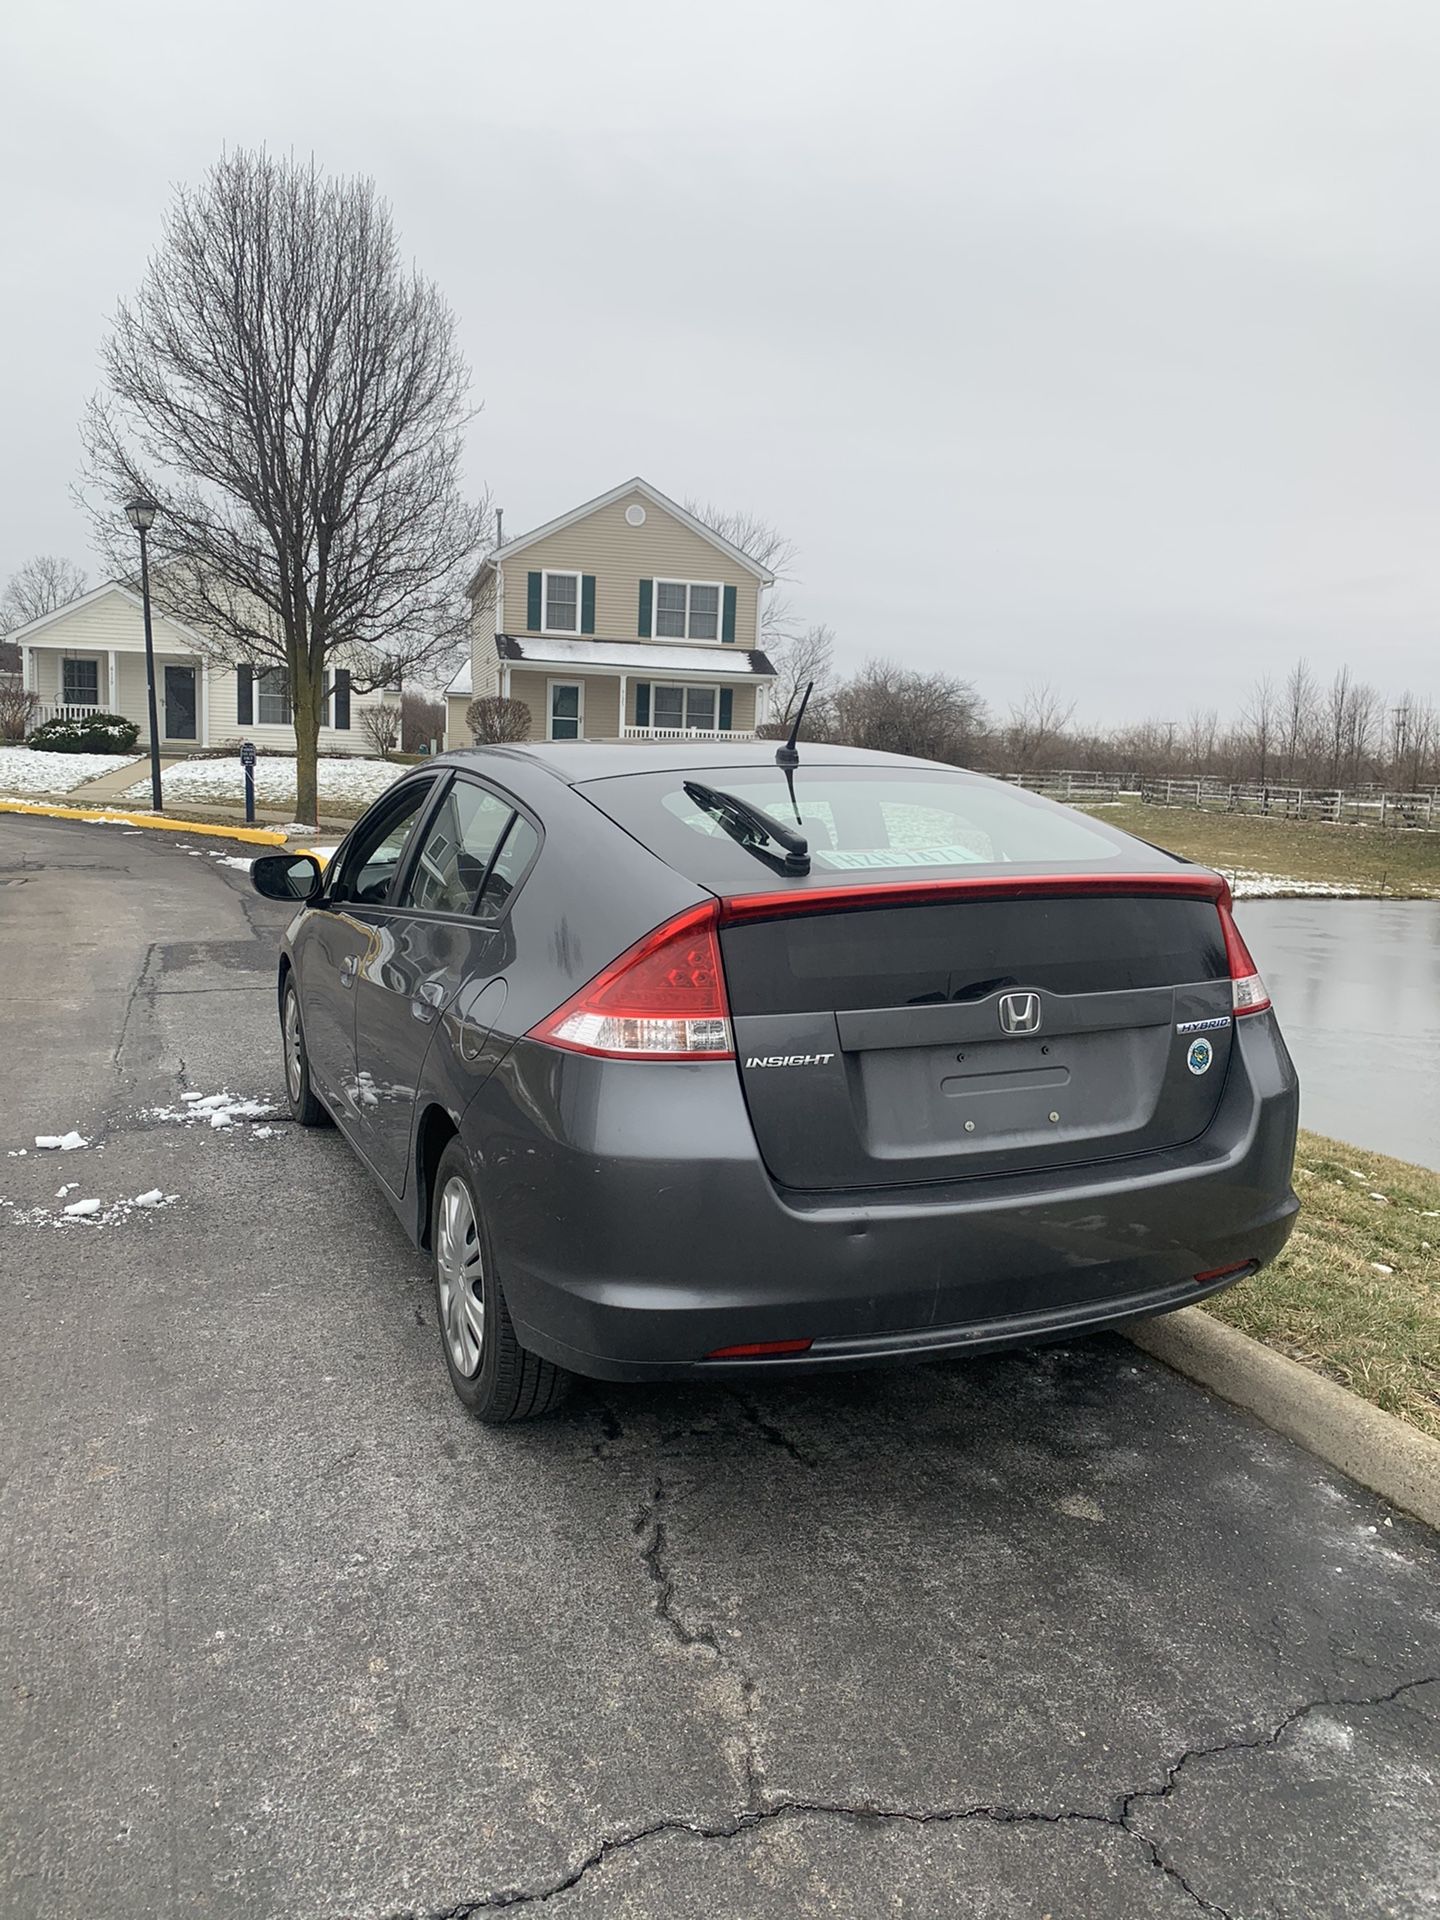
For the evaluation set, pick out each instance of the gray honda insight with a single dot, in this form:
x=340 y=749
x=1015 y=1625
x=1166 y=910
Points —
x=697 y=1059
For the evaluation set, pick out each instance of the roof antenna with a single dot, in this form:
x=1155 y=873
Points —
x=788 y=756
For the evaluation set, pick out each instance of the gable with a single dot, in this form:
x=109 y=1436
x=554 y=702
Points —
x=110 y=615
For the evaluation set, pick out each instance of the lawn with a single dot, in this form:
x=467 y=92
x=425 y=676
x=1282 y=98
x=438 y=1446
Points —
x=1356 y=1293
x=1364 y=860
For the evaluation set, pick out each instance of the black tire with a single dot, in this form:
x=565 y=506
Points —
x=304 y=1107
x=496 y=1378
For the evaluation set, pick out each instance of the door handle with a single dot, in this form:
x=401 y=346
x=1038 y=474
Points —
x=349 y=967
x=428 y=1000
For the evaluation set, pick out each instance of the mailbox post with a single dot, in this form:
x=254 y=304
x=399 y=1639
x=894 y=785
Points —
x=247 y=761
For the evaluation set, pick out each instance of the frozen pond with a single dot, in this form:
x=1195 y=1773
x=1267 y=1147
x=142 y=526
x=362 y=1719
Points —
x=1357 y=986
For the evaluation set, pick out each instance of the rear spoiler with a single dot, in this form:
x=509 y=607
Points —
x=1195 y=885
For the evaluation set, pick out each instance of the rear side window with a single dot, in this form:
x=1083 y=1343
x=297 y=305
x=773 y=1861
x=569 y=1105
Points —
x=857 y=820
x=512 y=863
x=457 y=850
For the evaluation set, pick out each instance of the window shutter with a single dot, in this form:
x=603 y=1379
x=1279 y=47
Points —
x=727 y=708
x=642 y=703
x=647 y=595
x=532 y=603
x=727 y=630
x=342 y=699
x=245 y=696
x=587 y=603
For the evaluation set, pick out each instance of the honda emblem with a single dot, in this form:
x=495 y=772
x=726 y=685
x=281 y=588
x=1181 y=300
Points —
x=1020 y=1012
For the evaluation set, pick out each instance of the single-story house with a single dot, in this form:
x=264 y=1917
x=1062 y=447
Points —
x=89 y=656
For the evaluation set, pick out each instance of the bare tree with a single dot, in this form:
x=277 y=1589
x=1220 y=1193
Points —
x=494 y=721
x=1037 y=723
x=1202 y=725
x=799 y=661
x=295 y=399
x=37 y=588
x=382 y=724
x=894 y=710
x=1297 y=720
x=768 y=547
x=422 y=719
x=1260 y=720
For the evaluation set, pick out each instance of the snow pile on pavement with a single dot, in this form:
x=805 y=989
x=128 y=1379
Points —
x=30 y=770
x=350 y=784
x=90 y=1212
x=217 y=1110
x=61 y=1142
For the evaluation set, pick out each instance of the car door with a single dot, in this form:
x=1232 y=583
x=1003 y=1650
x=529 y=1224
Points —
x=346 y=931
x=430 y=945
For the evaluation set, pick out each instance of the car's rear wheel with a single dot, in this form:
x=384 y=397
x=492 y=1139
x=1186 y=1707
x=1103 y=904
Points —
x=304 y=1107
x=494 y=1376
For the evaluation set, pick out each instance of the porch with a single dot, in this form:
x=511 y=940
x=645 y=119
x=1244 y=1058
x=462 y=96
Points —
x=73 y=684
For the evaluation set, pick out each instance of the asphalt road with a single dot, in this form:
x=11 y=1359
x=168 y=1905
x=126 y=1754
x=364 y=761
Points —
x=284 y=1633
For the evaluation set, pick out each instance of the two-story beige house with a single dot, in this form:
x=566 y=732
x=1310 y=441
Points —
x=625 y=619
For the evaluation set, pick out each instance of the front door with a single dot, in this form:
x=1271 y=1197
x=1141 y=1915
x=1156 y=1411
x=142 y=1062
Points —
x=347 y=933
x=567 y=710
x=430 y=945
x=180 y=704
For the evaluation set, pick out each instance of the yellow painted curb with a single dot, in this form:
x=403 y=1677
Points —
x=257 y=836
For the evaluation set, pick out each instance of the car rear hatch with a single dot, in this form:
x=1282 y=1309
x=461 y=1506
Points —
x=948 y=977
x=887 y=1038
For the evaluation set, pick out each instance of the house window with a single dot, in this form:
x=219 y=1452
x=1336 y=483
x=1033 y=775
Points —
x=80 y=683
x=686 y=610
x=272 y=697
x=567 y=710
x=561 y=607
x=682 y=707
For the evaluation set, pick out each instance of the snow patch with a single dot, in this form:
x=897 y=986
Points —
x=1247 y=884
x=61 y=1142
x=354 y=783
x=233 y=860
x=80 y=1209
x=31 y=770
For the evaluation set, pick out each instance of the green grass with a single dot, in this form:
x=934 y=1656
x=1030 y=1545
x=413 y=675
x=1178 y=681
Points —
x=1406 y=865
x=1356 y=1293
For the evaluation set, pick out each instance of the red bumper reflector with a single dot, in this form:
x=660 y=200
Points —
x=759 y=1349
x=1225 y=1273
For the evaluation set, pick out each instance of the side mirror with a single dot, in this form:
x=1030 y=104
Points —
x=287 y=876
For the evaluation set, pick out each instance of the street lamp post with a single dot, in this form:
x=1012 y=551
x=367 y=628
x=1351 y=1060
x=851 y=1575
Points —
x=141 y=513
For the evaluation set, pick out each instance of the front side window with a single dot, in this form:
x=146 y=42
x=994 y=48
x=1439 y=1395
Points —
x=80 y=682
x=567 y=710
x=378 y=847
x=561 y=603
x=272 y=697
x=686 y=610
x=683 y=707
x=459 y=846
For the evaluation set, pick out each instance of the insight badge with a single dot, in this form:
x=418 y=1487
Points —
x=1199 y=1057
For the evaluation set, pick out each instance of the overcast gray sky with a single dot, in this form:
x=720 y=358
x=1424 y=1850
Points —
x=1091 y=342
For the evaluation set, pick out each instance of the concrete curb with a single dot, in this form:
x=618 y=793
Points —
x=1381 y=1452
x=256 y=836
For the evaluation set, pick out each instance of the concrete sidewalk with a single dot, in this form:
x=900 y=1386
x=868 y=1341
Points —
x=110 y=786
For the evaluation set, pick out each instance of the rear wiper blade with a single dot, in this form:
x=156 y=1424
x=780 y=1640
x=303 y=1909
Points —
x=741 y=820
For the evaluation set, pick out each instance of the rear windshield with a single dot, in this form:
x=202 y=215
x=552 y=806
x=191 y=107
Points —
x=949 y=951
x=870 y=820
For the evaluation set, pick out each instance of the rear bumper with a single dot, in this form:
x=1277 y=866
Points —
x=627 y=1253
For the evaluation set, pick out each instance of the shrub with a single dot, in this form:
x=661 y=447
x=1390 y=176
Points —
x=96 y=733
x=17 y=709
x=494 y=721
x=382 y=727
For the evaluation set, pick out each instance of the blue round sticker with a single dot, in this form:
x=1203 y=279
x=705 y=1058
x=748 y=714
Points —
x=1199 y=1057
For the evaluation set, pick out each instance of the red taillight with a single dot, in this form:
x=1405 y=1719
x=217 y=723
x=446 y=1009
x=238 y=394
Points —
x=1247 y=989
x=662 y=1000
x=760 y=1350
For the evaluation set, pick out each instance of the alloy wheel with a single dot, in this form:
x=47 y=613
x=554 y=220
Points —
x=294 y=1046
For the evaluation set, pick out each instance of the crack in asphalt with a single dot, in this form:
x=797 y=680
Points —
x=772 y=1435
x=765 y=1812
